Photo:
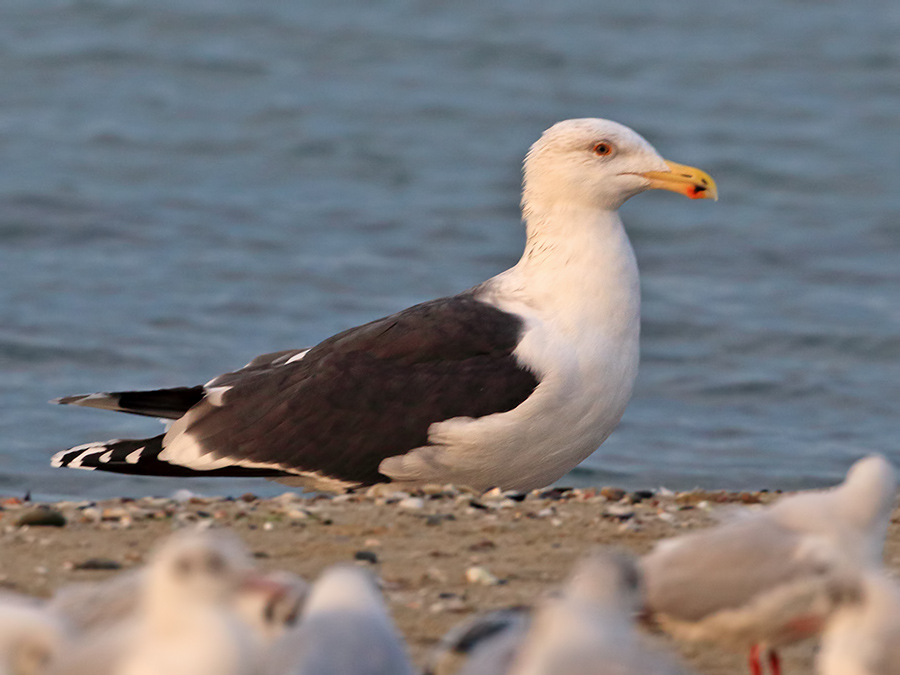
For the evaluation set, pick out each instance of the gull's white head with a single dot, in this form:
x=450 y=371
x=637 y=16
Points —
x=869 y=492
x=345 y=588
x=598 y=163
x=609 y=579
x=197 y=567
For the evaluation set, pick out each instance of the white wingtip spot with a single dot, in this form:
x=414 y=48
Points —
x=215 y=395
x=59 y=460
x=134 y=456
x=296 y=357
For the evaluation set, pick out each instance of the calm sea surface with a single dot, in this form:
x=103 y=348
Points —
x=184 y=185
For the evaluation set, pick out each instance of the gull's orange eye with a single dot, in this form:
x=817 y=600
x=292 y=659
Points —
x=603 y=149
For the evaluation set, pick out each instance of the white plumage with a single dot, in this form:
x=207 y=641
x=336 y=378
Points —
x=31 y=638
x=863 y=636
x=184 y=622
x=345 y=629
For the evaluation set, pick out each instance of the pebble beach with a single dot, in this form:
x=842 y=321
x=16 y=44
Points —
x=441 y=554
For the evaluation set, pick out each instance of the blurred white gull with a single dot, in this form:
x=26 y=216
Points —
x=862 y=637
x=588 y=629
x=269 y=605
x=485 y=643
x=345 y=629
x=772 y=577
x=185 y=623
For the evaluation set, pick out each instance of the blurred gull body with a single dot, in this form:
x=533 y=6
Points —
x=485 y=643
x=589 y=629
x=185 y=622
x=269 y=608
x=30 y=638
x=344 y=630
x=772 y=577
x=863 y=636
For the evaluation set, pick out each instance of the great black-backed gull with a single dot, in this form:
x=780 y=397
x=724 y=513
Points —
x=510 y=384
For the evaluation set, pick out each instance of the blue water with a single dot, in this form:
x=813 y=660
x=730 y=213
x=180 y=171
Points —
x=186 y=185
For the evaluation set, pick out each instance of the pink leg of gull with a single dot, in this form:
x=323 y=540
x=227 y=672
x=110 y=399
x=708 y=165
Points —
x=754 y=662
x=774 y=662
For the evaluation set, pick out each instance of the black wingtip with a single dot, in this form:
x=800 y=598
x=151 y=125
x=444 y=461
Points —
x=65 y=400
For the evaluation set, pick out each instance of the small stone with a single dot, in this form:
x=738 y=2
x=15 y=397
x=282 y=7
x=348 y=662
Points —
x=554 y=494
x=268 y=526
x=666 y=516
x=296 y=514
x=287 y=498
x=432 y=490
x=483 y=545
x=97 y=564
x=411 y=503
x=366 y=556
x=42 y=516
x=638 y=496
x=481 y=576
x=546 y=512
x=630 y=526
x=387 y=492
x=436 y=575
x=619 y=511
x=453 y=603
x=613 y=494
x=495 y=493
x=248 y=497
x=114 y=513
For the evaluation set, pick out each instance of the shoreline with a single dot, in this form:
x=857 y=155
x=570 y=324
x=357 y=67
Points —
x=421 y=544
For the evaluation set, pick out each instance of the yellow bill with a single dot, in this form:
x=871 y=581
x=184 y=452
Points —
x=685 y=180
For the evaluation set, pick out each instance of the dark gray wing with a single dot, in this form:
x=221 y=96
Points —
x=260 y=364
x=368 y=393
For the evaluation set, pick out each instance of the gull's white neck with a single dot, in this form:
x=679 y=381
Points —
x=579 y=268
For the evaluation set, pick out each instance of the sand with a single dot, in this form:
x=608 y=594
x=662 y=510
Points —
x=421 y=546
